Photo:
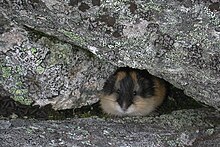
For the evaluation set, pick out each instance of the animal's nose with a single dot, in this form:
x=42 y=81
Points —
x=124 y=107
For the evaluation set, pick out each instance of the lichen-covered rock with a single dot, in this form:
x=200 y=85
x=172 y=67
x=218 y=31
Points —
x=49 y=71
x=176 y=40
x=199 y=127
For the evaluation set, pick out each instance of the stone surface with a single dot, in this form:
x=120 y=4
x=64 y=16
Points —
x=200 y=127
x=176 y=40
x=49 y=71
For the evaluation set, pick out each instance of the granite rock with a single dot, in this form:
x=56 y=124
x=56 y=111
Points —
x=47 y=71
x=198 y=127
x=176 y=40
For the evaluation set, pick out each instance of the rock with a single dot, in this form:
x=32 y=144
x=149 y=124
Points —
x=42 y=69
x=198 y=127
x=176 y=40
x=49 y=71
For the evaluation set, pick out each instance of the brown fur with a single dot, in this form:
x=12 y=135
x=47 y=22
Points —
x=141 y=106
x=133 y=76
x=144 y=106
x=120 y=75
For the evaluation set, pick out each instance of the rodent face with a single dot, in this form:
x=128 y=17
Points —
x=129 y=92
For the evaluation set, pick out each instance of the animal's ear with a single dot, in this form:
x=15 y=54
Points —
x=109 y=85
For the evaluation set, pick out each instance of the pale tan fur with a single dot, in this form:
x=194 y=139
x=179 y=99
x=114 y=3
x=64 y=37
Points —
x=108 y=104
x=143 y=106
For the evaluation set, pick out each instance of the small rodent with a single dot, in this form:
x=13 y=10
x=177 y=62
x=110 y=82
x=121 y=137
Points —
x=132 y=92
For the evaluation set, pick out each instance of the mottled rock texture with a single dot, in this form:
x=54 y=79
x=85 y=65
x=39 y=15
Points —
x=48 y=71
x=176 y=40
x=199 y=127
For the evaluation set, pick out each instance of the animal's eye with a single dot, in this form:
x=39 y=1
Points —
x=118 y=91
x=135 y=93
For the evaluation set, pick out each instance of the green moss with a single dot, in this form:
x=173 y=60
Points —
x=18 y=92
x=19 y=83
x=29 y=130
x=18 y=69
x=40 y=69
x=60 y=53
x=20 y=95
x=33 y=50
x=12 y=90
x=23 y=49
x=22 y=99
x=75 y=37
x=63 y=51
x=6 y=72
x=153 y=6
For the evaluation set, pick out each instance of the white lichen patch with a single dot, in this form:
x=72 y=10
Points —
x=186 y=139
x=133 y=30
x=93 y=49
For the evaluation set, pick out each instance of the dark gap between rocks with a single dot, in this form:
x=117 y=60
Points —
x=9 y=108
